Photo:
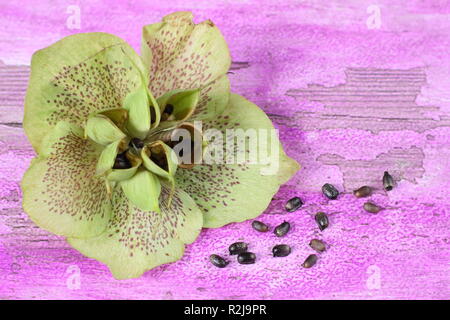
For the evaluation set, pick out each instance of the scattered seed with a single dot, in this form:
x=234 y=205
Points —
x=282 y=229
x=317 y=245
x=330 y=191
x=388 y=181
x=246 y=258
x=293 y=204
x=238 y=247
x=322 y=220
x=310 y=261
x=281 y=250
x=260 y=226
x=372 y=208
x=363 y=192
x=218 y=261
x=122 y=162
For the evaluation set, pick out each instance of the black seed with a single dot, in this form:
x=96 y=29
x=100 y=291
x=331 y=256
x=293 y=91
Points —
x=363 y=192
x=317 y=245
x=238 y=247
x=281 y=250
x=137 y=143
x=218 y=261
x=168 y=109
x=282 y=229
x=330 y=191
x=122 y=161
x=246 y=258
x=310 y=261
x=259 y=226
x=322 y=220
x=388 y=181
x=372 y=208
x=293 y=204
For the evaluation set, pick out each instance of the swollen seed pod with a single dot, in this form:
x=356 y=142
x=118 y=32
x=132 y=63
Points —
x=310 y=261
x=293 y=204
x=246 y=258
x=388 y=181
x=218 y=261
x=281 y=250
x=260 y=226
x=317 y=245
x=330 y=191
x=238 y=247
x=362 y=192
x=372 y=208
x=321 y=220
x=282 y=229
x=121 y=161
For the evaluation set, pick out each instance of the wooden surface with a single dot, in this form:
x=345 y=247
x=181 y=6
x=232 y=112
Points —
x=350 y=100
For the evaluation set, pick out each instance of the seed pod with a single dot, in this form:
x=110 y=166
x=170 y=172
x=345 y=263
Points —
x=363 y=192
x=282 y=229
x=310 y=261
x=281 y=250
x=317 y=245
x=330 y=191
x=218 y=261
x=246 y=258
x=137 y=143
x=293 y=204
x=259 y=226
x=388 y=181
x=321 y=220
x=121 y=161
x=372 y=208
x=238 y=247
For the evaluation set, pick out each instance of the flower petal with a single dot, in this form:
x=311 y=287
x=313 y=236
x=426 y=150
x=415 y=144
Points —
x=61 y=192
x=236 y=192
x=78 y=75
x=136 y=241
x=181 y=55
x=143 y=190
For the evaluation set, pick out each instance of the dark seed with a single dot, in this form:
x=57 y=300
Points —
x=281 y=250
x=122 y=161
x=322 y=220
x=246 y=258
x=282 y=229
x=310 y=261
x=388 y=181
x=372 y=208
x=317 y=245
x=330 y=191
x=168 y=109
x=137 y=143
x=238 y=247
x=363 y=192
x=259 y=226
x=218 y=261
x=293 y=204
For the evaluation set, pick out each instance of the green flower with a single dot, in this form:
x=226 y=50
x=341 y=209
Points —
x=102 y=121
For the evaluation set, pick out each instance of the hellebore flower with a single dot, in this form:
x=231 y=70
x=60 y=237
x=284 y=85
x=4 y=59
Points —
x=102 y=121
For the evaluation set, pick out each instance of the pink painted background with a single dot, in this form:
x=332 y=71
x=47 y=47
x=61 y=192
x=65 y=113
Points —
x=350 y=101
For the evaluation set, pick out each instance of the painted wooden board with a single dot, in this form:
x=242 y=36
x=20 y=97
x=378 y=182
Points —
x=355 y=88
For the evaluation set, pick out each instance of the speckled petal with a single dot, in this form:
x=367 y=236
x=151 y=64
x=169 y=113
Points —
x=182 y=55
x=136 y=241
x=61 y=192
x=236 y=192
x=77 y=76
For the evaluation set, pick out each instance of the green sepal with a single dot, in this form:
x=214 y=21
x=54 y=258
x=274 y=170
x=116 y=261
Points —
x=143 y=190
x=102 y=130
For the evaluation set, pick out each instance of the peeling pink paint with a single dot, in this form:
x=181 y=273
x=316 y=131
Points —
x=401 y=253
